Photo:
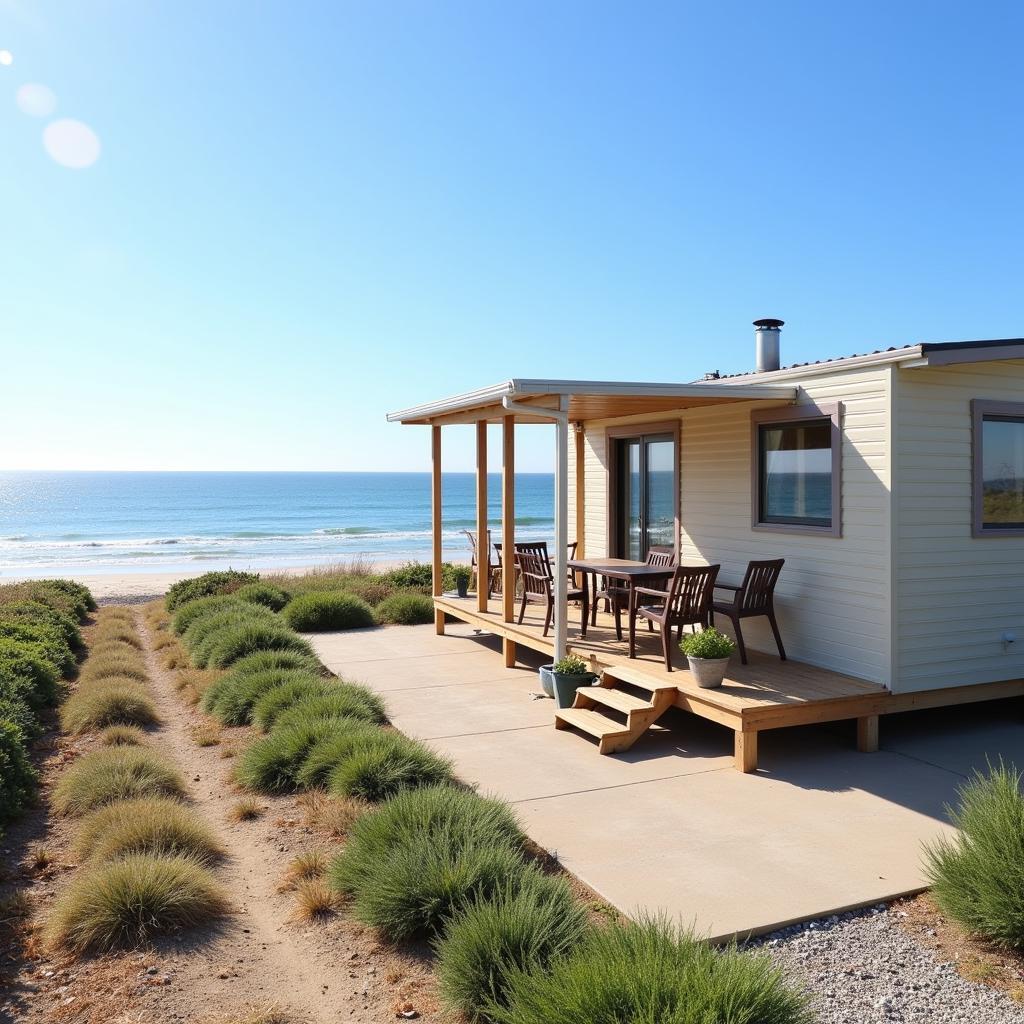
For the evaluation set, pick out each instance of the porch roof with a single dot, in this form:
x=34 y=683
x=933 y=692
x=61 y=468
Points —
x=587 y=399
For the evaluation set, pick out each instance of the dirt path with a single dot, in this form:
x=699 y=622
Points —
x=322 y=971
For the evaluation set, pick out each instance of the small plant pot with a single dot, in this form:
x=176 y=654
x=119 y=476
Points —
x=566 y=687
x=547 y=679
x=709 y=672
x=462 y=587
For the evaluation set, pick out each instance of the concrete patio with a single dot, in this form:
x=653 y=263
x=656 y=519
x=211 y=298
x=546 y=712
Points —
x=670 y=825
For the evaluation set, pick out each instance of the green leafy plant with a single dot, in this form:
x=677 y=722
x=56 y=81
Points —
x=321 y=612
x=708 y=643
x=520 y=928
x=571 y=665
x=202 y=607
x=406 y=609
x=36 y=613
x=462 y=574
x=27 y=674
x=128 y=901
x=42 y=641
x=208 y=585
x=18 y=779
x=265 y=594
x=650 y=971
x=977 y=877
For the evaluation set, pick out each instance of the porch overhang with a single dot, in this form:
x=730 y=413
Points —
x=587 y=400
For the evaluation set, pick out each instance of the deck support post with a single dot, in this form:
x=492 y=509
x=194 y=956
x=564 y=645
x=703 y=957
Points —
x=508 y=532
x=579 y=438
x=745 y=756
x=867 y=734
x=483 y=547
x=435 y=522
x=561 y=569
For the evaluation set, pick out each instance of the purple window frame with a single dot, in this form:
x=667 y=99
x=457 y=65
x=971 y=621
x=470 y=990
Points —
x=833 y=412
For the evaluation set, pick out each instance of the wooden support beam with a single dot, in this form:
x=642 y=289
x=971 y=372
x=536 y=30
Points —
x=508 y=648
x=483 y=548
x=745 y=751
x=435 y=522
x=867 y=734
x=508 y=523
x=579 y=441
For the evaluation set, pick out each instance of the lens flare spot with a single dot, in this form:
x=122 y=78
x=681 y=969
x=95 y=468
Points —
x=71 y=143
x=6 y=58
x=36 y=100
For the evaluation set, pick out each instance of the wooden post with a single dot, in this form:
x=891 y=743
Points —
x=579 y=439
x=435 y=521
x=483 y=549
x=508 y=531
x=745 y=758
x=867 y=734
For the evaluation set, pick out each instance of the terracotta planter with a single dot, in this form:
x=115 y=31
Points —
x=709 y=672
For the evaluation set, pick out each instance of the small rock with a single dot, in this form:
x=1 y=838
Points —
x=152 y=969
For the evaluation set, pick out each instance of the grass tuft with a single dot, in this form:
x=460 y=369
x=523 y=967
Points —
x=113 y=660
x=233 y=698
x=237 y=641
x=977 y=877
x=122 y=736
x=381 y=764
x=314 y=898
x=114 y=773
x=157 y=825
x=246 y=809
x=337 y=700
x=110 y=702
x=322 y=612
x=127 y=902
x=332 y=816
x=406 y=609
x=270 y=765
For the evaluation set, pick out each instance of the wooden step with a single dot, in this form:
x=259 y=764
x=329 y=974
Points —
x=619 y=700
x=591 y=722
x=635 y=677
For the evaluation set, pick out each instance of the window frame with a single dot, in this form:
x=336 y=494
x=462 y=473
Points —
x=788 y=416
x=980 y=409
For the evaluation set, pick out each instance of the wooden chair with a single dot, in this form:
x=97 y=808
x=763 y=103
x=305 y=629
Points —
x=492 y=572
x=615 y=593
x=538 y=584
x=687 y=602
x=754 y=596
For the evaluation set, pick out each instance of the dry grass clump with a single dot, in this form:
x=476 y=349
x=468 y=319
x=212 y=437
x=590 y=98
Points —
x=193 y=683
x=334 y=816
x=206 y=735
x=270 y=1014
x=116 y=629
x=314 y=898
x=115 y=773
x=174 y=657
x=246 y=809
x=122 y=736
x=107 y=702
x=40 y=857
x=113 y=660
x=311 y=863
x=155 y=825
x=127 y=902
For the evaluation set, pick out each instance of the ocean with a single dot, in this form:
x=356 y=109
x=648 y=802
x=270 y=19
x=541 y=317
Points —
x=86 y=522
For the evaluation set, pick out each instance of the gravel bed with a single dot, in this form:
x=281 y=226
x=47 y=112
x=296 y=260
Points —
x=863 y=968
x=127 y=599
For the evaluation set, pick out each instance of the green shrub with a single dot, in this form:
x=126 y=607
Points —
x=234 y=704
x=429 y=811
x=977 y=876
x=203 y=633
x=154 y=825
x=35 y=613
x=114 y=773
x=265 y=594
x=329 y=752
x=424 y=880
x=200 y=609
x=110 y=702
x=280 y=698
x=15 y=710
x=76 y=592
x=60 y=595
x=127 y=902
x=207 y=585
x=412 y=576
x=18 y=778
x=651 y=971
x=45 y=642
x=235 y=642
x=372 y=589
x=322 y=612
x=406 y=609
x=382 y=764
x=522 y=928
x=256 y=664
x=270 y=764
x=25 y=673
x=336 y=700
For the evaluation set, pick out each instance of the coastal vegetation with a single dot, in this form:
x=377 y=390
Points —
x=329 y=610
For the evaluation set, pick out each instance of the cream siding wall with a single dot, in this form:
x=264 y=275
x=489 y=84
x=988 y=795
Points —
x=834 y=594
x=956 y=594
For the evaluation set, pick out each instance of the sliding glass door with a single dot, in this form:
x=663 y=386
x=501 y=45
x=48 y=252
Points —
x=644 y=495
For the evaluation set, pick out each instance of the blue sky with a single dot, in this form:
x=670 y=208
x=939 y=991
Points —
x=305 y=215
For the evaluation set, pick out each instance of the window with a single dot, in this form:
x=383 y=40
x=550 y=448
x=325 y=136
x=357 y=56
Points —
x=998 y=468
x=796 y=469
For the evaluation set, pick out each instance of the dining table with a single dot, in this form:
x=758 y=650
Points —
x=629 y=572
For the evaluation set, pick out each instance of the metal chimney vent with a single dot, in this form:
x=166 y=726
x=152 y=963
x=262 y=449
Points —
x=766 y=336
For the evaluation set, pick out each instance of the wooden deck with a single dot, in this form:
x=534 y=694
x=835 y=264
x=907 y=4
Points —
x=765 y=694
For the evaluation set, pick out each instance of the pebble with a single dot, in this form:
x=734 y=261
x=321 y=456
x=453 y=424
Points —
x=862 y=967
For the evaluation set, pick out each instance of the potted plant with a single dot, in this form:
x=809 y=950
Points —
x=708 y=653
x=562 y=679
x=462 y=575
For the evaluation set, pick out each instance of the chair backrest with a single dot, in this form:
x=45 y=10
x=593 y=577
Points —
x=534 y=569
x=537 y=549
x=758 y=587
x=691 y=592
x=661 y=557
